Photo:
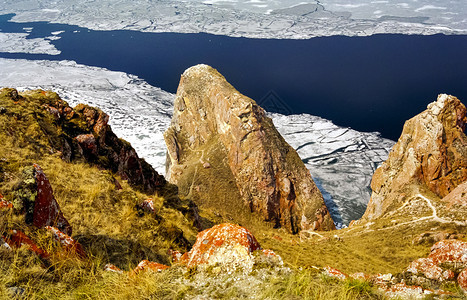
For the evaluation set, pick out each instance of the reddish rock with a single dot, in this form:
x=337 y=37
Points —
x=231 y=248
x=4 y=203
x=430 y=154
x=46 y=209
x=462 y=280
x=250 y=162
x=335 y=273
x=97 y=139
x=432 y=237
x=148 y=205
x=176 y=255
x=214 y=245
x=88 y=144
x=276 y=237
x=146 y=265
x=403 y=291
x=361 y=276
x=67 y=242
x=17 y=239
x=429 y=269
x=449 y=251
x=53 y=111
x=446 y=259
x=112 y=268
x=4 y=244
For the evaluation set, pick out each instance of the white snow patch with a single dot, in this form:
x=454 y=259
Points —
x=427 y=7
x=18 y=43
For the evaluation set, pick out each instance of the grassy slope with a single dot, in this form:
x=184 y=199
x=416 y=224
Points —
x=105 y=221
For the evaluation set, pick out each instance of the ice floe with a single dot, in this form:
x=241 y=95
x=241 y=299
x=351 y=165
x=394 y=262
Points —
x=294 y=19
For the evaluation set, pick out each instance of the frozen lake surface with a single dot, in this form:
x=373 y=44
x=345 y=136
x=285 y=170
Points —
x=371 y=83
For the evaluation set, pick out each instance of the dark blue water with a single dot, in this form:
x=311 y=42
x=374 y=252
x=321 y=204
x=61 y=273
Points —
x=368 y=83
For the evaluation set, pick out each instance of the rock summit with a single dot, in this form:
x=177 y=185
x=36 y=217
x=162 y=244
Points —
x=223 y=151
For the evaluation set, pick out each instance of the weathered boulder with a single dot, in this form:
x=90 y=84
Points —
x=46 y=209
x=229 y=246
x=431 y=154
x=224 y=151
x=446 y=259
x=449 y=251
x=148 y=206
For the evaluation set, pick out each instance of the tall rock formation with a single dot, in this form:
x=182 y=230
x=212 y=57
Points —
x=224 y=152
x=430 y=156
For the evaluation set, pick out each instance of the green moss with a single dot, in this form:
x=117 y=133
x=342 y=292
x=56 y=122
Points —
x=25 y=193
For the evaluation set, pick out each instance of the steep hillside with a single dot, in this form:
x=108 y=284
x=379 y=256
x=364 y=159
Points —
x=98 y=180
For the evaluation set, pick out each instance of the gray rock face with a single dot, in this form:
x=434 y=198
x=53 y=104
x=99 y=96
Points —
x=210 y=116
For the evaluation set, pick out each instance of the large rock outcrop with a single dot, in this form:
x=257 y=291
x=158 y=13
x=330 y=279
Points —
x=83 y=132
x=229 y=246
x=430 y=156
x=223 y=150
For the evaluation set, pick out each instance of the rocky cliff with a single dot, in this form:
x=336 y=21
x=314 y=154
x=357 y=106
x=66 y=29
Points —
x=224 y=152
x=99 y=182
x=84 y=132
x=430 y=158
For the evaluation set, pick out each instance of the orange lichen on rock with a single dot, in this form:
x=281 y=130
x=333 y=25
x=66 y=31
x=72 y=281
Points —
x=449 y=251
x=230 y=247
x=112 y=268
x=335 y=273
x=210 y=241
x=4 y=203
x=18 y=238
x=429 y=269
x=146 y=265
x=67 y=242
